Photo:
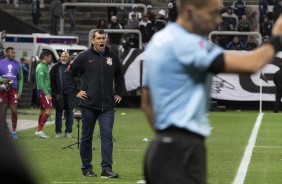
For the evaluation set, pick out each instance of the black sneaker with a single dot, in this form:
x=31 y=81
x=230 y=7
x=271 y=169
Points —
x=108 y=174
x=89 y=174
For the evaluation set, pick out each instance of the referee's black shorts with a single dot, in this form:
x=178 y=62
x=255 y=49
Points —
x=176 y=156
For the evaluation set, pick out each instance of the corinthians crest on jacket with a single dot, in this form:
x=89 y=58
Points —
x=109 y=61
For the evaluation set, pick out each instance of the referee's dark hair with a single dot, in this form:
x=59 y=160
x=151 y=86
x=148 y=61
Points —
x=44 y=54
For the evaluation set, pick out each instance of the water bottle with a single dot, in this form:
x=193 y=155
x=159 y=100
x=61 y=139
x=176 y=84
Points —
x=3 y=87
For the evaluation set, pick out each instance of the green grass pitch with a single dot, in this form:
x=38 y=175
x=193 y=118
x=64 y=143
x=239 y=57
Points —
x=225 y=148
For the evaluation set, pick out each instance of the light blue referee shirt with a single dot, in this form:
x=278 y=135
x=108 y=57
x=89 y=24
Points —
x=176 y=64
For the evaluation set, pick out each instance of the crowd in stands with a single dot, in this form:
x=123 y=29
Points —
x=239 y=17
x=236 y=17
x=130 y=18
x=147 y=23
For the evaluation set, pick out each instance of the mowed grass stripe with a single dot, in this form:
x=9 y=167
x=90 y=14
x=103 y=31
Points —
x=70 y=182
x=227 y=143
x=266 y=164
x=269 y=147
x=50 y=163
x=225 y=148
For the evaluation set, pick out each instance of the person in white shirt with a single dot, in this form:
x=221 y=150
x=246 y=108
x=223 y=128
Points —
x=134 y=11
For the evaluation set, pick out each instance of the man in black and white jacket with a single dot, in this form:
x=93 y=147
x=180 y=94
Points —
x=102 y=86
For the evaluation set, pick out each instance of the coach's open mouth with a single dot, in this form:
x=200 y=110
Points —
x=101 y=45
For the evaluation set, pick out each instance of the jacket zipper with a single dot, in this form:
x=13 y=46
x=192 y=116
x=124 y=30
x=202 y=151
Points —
x=102 y=80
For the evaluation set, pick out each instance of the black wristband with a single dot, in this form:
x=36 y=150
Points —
x=276 y=42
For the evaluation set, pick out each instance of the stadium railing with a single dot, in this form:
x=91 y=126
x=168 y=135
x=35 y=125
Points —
x=230 y=33
x=96 y=5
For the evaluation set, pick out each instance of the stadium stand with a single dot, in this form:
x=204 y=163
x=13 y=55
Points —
x=86 y=17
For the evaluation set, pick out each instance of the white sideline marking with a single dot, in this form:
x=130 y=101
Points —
x=242 y=171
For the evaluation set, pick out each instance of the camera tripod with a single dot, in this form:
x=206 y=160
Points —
x=77 y=116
